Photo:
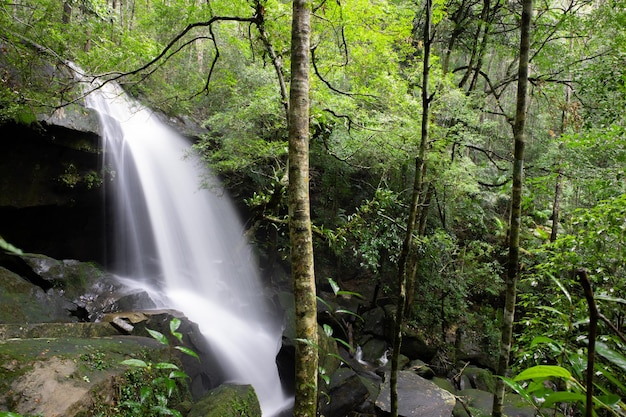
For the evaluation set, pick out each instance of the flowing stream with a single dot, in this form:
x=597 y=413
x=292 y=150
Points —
x=175 y=229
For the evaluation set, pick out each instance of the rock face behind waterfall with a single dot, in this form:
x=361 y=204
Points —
x=52 y=197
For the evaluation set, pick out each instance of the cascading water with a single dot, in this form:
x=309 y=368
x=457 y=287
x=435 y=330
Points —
x=167 y=225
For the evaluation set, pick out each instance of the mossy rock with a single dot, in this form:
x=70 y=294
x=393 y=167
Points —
x=68 y=376
x=22 y=302
x=228 y=400
x=480 y=404
x=480 y=378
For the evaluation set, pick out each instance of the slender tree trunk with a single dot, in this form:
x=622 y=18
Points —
x=67 y=12
x=558 y=186
x=516 y=208
x=306 y=361
x=556 y=204
x=403 y=271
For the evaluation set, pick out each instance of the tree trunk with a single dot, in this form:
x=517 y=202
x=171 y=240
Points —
x=556 y=204
x=306 y=360
x=403 y=271
x=516 y=204
x=67 y=12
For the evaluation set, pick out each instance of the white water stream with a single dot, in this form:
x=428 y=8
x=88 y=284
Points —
x=190 y=239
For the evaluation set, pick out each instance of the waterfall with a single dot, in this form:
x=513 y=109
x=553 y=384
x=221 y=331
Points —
x=174 y=228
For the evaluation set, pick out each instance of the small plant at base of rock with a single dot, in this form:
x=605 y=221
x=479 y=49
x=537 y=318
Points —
x=154 y=400
x=95 y=360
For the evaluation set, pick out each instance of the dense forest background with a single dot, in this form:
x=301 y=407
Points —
x=224 y=65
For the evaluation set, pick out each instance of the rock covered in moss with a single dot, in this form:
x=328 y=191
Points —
x=228 y=400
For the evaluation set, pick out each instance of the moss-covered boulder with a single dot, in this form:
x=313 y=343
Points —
x=479 y=404
x=70 y=376
x=22 y=302
x=480 y=378
x=228 y=400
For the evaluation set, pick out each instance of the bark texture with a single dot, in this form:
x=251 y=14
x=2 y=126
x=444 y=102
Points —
x=306 y=360
x=516 y=208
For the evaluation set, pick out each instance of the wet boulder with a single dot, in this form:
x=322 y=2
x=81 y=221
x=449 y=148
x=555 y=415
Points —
x=416 y=397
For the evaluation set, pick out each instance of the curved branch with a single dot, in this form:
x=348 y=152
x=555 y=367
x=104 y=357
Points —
x=328 y=84
x=170 y=45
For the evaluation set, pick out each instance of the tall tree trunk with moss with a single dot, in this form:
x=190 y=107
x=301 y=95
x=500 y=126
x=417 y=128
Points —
x=403 y=260
x=300 y=216
x=516 y=204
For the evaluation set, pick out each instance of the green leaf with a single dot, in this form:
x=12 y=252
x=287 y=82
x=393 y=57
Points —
x=552 y=310
x=135 y=362
x=610 y=400
x=612 y=378
x=351 y=313
x=343 y=342
x=165 y=365
x=351 y=293
x=307 y=342
x=333 y=285
x=144 y=393
x=187 y=351
x=158 y=336
x=9 y=414
x=178 y=374
x=540 y=339
x=612 y=356
x=605 y=297
x=543 y=371
x=10 y=248
x=328 y=330
x=561 y=287
x=518 y=388
x=563 y=397
x=174 y=325
x=170 y=384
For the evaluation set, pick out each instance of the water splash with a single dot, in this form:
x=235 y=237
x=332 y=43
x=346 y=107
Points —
x=166 y=225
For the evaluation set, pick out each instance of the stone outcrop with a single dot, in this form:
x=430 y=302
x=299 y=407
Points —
x=228 y=400
x=417 y=397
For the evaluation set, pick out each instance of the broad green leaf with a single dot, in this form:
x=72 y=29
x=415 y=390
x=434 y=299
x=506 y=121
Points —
x=610 y=400
x=540 y=339
x=543 y=371
x=158 y=336
x=563 y=397
x=174 y=325
x=328 y=330
x=9 y=414
x=178 y=374
x=165 y=365
x=135 y=362
x=187 y=351
x=612 y=356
